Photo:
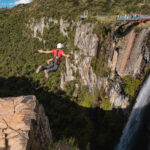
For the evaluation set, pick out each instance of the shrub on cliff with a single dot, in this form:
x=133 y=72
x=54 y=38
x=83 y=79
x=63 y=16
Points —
x=130 y=86
x=99 y=63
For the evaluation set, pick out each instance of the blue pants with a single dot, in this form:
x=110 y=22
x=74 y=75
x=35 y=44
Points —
x=50 y=68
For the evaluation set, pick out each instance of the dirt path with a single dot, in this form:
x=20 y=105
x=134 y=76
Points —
x=127 y=52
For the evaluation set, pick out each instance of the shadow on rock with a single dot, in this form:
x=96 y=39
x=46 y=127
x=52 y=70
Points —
x=124 y=29
x=92 y=128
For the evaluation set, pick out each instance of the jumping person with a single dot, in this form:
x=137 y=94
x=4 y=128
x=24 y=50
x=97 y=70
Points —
x=53 y=63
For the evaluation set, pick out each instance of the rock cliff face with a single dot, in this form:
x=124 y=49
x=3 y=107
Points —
x=87 y=42
x=23 y=124
x=131 y=53
x=126 y=57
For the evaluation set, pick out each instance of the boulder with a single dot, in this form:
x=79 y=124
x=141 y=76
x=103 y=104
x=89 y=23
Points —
x=23 y=124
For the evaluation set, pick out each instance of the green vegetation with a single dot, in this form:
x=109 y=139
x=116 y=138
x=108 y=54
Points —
x=131 y=86
x=87 y=101
x=71 y=10
x=76 y=123
x=148 y=40
x=83 y=98
x=100 y=62
x=19 y=60
x=84 y=126
x=102 y=100
x=65 y=144
x=105 y=104
x=141 y=27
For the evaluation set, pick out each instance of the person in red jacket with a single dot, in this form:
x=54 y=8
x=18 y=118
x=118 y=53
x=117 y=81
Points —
x=53 y=63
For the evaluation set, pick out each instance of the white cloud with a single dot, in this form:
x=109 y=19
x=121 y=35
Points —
x=22 y=2
x=11 y=3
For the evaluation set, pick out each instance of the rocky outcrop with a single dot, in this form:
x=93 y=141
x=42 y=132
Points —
x=87 y=43
x=116 y=98
x=68 y=75
x=23 y=124
x=131 y=54
x=136 y=57
x=38 y=27
x=125 y=56
x=127 y=52
x=85 y=39
x=63 y=27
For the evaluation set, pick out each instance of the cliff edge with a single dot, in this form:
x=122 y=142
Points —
x=23 y=124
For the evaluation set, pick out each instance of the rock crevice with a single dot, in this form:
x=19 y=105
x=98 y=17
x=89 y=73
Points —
x=17 y=115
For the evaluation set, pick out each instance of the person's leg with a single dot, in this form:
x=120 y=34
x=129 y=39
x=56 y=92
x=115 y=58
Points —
x=51 y=64
x=51 y=69
x=41 y=68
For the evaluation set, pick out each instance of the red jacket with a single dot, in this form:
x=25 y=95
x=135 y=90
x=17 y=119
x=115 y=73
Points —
x=59 y=54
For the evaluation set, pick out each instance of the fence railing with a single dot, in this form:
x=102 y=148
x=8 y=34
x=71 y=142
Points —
x=132 y=18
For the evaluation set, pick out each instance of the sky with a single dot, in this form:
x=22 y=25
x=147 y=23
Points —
x=12 y=3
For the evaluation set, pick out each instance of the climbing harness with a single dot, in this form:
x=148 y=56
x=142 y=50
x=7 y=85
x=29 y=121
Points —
x=56 y=59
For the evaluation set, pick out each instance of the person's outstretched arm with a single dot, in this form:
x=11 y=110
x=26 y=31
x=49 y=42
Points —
x=65 y=55
x=44 y=52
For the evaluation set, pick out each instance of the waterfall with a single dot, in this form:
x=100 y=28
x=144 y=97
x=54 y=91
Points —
x=131 y=129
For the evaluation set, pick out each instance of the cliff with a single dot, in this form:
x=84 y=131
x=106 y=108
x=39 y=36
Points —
x=122 y=56
x=108 y=64
x=23 y=124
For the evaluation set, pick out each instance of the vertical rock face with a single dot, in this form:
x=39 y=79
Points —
x=68 y=76
x=136 y=57
x=85 y=39
x=131 y=54
x=38 y=27
x=127 y=52
x=117 y=99
x=63 y=27
x=126 y=56
x=87 y=42
x=23 y=124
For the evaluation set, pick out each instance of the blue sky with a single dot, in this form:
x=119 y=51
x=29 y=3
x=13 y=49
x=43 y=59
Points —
x=12 y=3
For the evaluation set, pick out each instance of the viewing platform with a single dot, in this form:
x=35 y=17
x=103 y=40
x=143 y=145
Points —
x=127 y=18
x=132 y=18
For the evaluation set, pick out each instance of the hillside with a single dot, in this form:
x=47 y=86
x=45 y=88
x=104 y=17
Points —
x=87 y=100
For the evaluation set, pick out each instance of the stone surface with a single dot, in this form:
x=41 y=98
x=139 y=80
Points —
x=135 y=60
x=125 y=56
x=87 y=42
x=118 y=100
x=85 y=39
x=127 y=53
x=131 y=53
x=68 y=75
x=63 y=27
x=16 y=123
x=38 y=27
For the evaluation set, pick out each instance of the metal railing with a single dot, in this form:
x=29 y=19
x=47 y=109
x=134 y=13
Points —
x=132 y=18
